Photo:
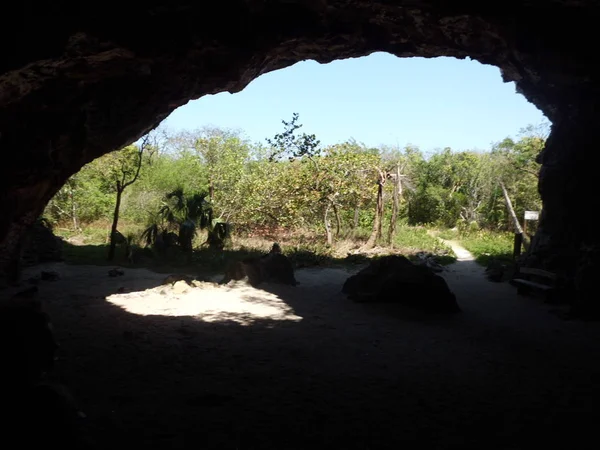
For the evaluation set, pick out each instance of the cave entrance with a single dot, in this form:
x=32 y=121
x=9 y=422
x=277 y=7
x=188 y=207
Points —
x=332 y=372
x=451 y=131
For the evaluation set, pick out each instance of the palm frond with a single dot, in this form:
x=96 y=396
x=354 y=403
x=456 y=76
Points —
x=149 y=234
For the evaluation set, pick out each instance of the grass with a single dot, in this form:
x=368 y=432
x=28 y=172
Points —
x=448 y=234
x=204 y=261
x=98 y=232
x=416 y=239
x=486 y=246
x=303 y=248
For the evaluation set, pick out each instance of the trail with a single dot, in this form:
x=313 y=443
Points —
x=462 y=254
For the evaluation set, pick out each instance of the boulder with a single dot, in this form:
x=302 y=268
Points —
x=41 y=245
x=394 y=279
x=277 y=268
x=180 y=287
x=274 y=267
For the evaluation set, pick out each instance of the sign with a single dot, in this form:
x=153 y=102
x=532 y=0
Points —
x=532 y=215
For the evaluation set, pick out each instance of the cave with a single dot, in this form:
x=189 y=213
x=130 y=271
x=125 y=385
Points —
x=78 y=83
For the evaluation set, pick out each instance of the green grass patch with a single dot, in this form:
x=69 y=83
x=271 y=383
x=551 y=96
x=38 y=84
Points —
x=486 y=245
x=448 y=234
x=415 y=239
x=204 y=261
x=90 y=247
x=86 y=254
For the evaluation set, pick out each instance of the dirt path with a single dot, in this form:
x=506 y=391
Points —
x=462 y=254
x=302 y=367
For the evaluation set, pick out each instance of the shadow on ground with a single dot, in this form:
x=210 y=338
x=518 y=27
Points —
x=502 y=374
x=208 y=261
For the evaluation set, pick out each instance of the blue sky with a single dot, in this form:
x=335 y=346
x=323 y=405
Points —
x=378 y=99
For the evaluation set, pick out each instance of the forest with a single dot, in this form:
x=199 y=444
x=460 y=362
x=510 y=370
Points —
x=210 y=190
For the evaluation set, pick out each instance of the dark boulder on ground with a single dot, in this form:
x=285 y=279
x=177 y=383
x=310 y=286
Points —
x=495 y=270
x=38 y=412
x=273 y=267
x=394 y=279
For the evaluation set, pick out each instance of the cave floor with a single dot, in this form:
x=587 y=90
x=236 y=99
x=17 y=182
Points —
x=302 y=367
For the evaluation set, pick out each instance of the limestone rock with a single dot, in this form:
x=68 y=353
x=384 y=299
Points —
x=394 y=279
x=180 y=287
x=274 y=267
x=41 y=245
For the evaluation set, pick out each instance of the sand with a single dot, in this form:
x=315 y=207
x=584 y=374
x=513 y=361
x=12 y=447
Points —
x=302 y=367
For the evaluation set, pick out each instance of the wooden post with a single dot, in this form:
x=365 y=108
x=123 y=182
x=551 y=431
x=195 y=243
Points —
x=512 y=213
x=517 y=245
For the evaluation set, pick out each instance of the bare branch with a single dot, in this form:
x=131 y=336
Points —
x=143 y=146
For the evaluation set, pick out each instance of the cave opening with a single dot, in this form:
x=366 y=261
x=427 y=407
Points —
x=489 y=376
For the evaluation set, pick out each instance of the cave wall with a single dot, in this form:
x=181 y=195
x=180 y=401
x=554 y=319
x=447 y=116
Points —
x=79 y=82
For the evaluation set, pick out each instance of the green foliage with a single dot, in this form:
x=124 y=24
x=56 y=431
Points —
x=84 y=198
x=454 y=188
x=448 y=234
x=418 y=239
x=287 y=144
x=486 y=245
x=185 y=213
x=216 y=176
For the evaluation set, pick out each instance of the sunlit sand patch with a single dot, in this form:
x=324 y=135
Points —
x=207 y=302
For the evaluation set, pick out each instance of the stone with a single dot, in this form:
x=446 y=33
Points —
x=38 y=412
x=180 y=287
x=175 y=277
x=495 y=271
x=394 y=279
x=247 y=271
x=273 y=267
x=428 y=260
x=48 y=275
x=41 y=245
x=115 y=273
x=30 y=346
x=277 y=268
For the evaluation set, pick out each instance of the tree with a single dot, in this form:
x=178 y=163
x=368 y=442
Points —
x=187 y=213
x=123 y=169
x=287 y=144
x=378 y=222
x=220 y=159
x=397 y=180
x=515 y=165
x=398 y=164
x=84 y=197
x=307 y=181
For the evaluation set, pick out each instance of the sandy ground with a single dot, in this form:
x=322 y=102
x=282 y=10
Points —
x=304 y=368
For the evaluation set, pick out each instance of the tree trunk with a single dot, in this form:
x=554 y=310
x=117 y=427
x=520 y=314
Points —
x=211 y=190
x=376 y=233
x=327 y=226
x=513 y=215
x=338 y=220
x=356 y=218
x=380 y=210
x=395 y=208
x=74 y=211
x=113 y=230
